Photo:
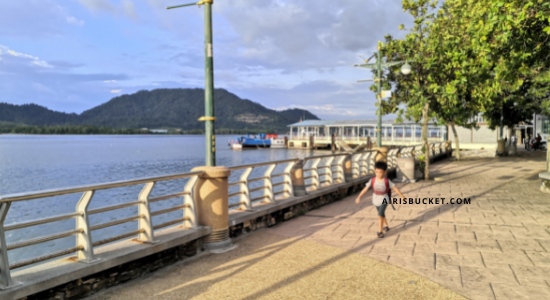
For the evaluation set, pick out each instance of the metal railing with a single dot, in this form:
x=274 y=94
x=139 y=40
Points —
x=272 y=187
x=86 y=242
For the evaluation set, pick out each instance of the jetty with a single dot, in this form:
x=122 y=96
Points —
x=347 y=134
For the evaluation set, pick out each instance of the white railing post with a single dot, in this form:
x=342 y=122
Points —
x=315 y=173
x=340 y=168
x=268 y=183
x=355 y=165
x=145 y=224
x=5 y=275
x=84 y=238
x=190 y=210
x=244 y=198
x=328 y=171
x=365 y=164
x=288 y=179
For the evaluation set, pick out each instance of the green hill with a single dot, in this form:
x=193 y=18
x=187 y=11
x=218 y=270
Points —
x=161 y=108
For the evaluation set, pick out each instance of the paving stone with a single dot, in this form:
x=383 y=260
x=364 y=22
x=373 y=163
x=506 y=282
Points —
x=440 y=248
x=451 y=237
x=503 y=260
x=452 y=262
x=531 y=272
x=411 y=262
x=512 y=292
x=540 y=259
x=488 y=275
x=480 y=246
x=527 y=245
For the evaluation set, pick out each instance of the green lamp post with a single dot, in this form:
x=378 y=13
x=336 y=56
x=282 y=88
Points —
x=405 y=69
x=209 y=116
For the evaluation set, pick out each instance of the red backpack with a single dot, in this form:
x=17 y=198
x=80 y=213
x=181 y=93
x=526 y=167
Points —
x=388 y=190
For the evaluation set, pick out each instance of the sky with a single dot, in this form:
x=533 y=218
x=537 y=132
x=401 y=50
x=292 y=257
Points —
x=73 y=55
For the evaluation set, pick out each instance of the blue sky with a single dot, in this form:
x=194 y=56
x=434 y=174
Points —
x=72 y=55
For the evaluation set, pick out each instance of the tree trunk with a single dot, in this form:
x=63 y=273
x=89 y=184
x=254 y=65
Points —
x=456 y=141
x=425 y=119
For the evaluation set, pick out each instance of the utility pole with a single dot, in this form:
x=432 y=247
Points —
x=405 y=69
x=209 y=116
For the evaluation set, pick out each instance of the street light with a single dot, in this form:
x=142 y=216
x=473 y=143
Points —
x=209 y=116
x=405 y=69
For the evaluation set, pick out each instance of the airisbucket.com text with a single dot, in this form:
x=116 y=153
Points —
x=429 y=201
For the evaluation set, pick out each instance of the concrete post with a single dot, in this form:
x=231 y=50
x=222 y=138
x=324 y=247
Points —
x=348 y=172
x=382 y=154
x=501 y=147
x=448 y=149
x=211 y=194
x=297 y=178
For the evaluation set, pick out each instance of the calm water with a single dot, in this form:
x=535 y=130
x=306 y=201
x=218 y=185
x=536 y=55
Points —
x=31 y=163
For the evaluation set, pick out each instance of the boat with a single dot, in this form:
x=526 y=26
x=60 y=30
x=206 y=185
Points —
x=276 y=142
x=249 y=142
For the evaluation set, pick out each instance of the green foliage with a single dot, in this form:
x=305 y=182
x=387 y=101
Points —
x=67 y=129
x=163 y=108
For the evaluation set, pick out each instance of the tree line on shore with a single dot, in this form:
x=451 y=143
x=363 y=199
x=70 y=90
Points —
x=7 y=128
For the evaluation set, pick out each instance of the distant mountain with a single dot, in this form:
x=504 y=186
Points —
x=168 y=108
x=32 y=114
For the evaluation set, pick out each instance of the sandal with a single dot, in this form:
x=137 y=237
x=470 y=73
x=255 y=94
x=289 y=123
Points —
x=386 y=228
x=380 y=235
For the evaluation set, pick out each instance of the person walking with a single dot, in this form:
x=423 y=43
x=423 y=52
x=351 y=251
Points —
x=382 y=187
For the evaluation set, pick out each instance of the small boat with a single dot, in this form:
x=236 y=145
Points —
x=254 y=142
x=276 y=142
x=235 y=143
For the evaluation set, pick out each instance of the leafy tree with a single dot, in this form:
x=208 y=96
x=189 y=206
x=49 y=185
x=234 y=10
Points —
x=413 y=90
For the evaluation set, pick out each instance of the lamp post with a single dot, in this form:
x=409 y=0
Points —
x=405 y=69
x=209 y=116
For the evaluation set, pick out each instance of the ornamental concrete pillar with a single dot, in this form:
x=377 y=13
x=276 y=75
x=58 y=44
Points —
x=297 y=177
x=211 y=196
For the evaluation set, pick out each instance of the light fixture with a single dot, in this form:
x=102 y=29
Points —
x=406 y=69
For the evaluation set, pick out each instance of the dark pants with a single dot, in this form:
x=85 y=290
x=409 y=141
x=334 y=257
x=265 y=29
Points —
x=382 y=210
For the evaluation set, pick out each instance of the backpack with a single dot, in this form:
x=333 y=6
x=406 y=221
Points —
x=388 y=190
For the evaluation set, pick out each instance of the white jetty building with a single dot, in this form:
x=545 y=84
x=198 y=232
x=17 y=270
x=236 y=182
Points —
x=351 y=133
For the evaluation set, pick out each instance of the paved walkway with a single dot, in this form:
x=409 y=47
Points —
x=497 y=247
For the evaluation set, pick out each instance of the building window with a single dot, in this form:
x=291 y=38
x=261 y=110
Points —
x=546 y=126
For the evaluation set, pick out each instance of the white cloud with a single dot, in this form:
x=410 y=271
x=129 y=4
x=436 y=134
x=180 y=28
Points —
x=96 y=6
x=75 y=21
x=129 y=9
x=33 y=59
x=323 y=109
x=116 y=91
x=110 y=81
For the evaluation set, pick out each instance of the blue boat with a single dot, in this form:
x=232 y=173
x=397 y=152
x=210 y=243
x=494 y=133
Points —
x=250 y=141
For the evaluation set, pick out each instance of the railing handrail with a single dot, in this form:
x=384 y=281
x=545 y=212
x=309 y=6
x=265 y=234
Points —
x=98 y=186
x=264 y=164
x=323 y=156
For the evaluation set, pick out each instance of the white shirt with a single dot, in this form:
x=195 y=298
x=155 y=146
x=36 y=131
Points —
x=380 y=186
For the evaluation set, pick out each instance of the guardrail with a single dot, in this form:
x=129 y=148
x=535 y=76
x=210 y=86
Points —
x=248 y=185
x=269 y=187
x=331 y=167
x=362 y=163
x=86 y=242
